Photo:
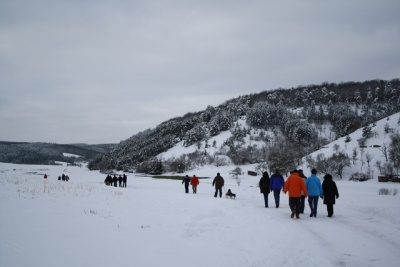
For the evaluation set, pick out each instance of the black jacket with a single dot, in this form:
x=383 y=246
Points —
x=330 y=190
x=264 y=183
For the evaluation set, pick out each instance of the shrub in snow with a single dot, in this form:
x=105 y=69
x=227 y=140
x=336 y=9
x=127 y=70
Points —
x=359 y=177
x=386 y=191
x=236 y=172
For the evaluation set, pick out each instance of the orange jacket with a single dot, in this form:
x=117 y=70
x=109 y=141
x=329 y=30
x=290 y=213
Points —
x=194 y=181
x=294 y=184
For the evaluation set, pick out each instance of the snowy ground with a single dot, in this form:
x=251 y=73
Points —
x=154 y=223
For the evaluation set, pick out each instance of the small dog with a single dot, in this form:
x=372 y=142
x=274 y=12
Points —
x=229 y=194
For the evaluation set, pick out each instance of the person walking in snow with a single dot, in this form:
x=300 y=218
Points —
x=330 y=192
x=108 y=180
x=314 y=189
x=120 y=180
x=124 y=179
x=277 y=182
x=265 y=187
x=218 y=182
x=115 y=180
x=302 y=198
x=186 y=181
x=194 y=182
x=294 y=184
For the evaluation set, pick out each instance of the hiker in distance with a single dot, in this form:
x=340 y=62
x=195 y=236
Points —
x=294 y=184
x=264 y=185
x=218 y=182
x=330 y=193
x=186 y=181
x=108 y=180
x=194 y=182
x=124 y=179
x=314 y=189
x=120 y=180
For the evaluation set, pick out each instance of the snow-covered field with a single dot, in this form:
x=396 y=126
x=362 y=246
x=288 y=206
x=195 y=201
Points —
x=153 y=222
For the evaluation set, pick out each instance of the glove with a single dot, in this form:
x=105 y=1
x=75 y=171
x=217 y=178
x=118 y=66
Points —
x=322 y=197
x=337 y=196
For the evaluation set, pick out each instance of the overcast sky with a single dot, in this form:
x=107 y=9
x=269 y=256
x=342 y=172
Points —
x=101 y=71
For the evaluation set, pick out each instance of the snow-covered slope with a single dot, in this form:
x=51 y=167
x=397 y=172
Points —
x=372 y=148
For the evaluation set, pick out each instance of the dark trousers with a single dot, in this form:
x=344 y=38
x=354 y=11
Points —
x=186 y=188
x=266 y=199
x=277 y=193
x=329 y=207
x=216 y=191
x=123 y=184
x=302 y=203
x=313 y=202
x=294 y=204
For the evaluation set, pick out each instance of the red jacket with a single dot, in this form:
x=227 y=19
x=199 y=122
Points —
x=194 y=180
x=294 y=184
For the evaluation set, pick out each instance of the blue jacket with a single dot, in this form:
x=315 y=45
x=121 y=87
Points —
x=313 y=185
x=277 y=181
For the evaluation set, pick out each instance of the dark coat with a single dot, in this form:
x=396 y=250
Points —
x=330 y=190
x=264 y=184
x=218 y=181
x=186 y=180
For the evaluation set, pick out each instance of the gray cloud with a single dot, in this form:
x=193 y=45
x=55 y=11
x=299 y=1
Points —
x=97 y=72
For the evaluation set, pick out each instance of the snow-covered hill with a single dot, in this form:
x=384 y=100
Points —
x=371 y=151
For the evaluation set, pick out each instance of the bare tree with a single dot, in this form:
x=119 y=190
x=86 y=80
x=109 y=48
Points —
x=339 y=162
x=354 y=156
x=235 y=173
x=378 y=164
x=262 y=167
x=336 y=147
x=384 y=150
x=368 y=158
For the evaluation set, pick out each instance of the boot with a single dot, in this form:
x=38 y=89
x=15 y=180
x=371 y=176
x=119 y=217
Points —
x=293 y=212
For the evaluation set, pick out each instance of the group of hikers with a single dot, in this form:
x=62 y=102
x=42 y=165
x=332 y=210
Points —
x=299 y=188
x=63 y=177
x=115 y=181
x=218 y=182
x=297 y=185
